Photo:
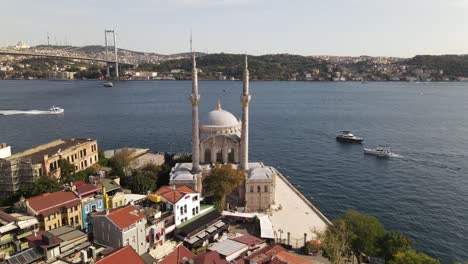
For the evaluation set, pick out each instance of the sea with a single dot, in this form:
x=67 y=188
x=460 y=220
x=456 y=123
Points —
x=423 y=192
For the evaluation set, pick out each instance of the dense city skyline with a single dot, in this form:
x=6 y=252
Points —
x=357 y=27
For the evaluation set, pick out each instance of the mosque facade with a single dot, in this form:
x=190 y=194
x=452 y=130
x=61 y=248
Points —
x=221 y=138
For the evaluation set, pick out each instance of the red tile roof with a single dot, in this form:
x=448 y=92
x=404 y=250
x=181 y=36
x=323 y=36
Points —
x=122 y=256
x=249 y=240
x=178 y=256
x=87 y=189
x=276 y=254
x=49 y=203
x=123 y=217
x=39 y=240
x=174 y=195
x=209 y=257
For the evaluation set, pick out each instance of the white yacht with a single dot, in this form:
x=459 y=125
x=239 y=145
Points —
x=56 y=110
x=108 y=84
x=379 y=151
x=347 y=136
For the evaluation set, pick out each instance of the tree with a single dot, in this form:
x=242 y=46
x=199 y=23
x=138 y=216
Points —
x=412 y=257
x=66 y=169
x=336 y=242
x=103 y=161
x=41 y=186
x=142 y=183
x=223 y=180
x=123 y=161
x=392 y=243
x=365 y=232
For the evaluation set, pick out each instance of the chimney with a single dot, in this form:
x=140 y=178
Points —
x=84 y=256
x=93 y=252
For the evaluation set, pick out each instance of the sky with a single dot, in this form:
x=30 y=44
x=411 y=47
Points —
x=401 y=28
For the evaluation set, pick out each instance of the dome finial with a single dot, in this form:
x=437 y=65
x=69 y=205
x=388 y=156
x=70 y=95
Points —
x=218 y=107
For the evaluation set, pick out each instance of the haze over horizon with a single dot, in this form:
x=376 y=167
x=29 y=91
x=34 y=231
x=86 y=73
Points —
x=336 y=27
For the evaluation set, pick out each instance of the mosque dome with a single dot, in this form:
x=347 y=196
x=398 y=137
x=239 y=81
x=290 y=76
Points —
x=220 y=118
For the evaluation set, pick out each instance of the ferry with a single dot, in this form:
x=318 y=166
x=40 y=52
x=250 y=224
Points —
x=379 y=151
x=56 y=110
x=348 y=137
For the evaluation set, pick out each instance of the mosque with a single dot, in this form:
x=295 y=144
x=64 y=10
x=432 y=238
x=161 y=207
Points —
x=223 y=139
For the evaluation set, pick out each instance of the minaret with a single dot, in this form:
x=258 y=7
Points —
x=195 y=98
x=245 y=99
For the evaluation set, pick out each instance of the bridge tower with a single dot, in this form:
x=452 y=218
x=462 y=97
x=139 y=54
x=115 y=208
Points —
x=107 y=33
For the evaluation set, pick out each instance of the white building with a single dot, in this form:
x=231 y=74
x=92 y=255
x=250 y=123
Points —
x=5 y=151
x=182 y=201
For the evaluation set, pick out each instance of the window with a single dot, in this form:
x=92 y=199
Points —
x=266 y=188
x=196 y=209
x=84 y=152
x=99 y=203
x=181 y=210
x=90 y=160
x=195 y=198
x=185 y=209
x=95 y=158
x=193 y=211
x=259 y=189
x=251 y=188
x=86 y=209
x=86 y=163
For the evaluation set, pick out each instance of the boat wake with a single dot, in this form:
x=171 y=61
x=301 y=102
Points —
x=21 y=112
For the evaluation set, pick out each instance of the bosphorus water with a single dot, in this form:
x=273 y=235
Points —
x=423 y=193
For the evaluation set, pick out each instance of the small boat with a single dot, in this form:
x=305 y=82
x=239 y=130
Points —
x=379 y=151
x=56 y=110
x=108 y=84
x=348 y=137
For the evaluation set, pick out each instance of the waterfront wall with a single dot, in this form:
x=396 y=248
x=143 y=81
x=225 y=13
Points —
x=315 y=209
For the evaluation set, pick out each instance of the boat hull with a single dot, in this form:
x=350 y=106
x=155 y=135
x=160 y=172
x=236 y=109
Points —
x=349 y=140
x=377 y=153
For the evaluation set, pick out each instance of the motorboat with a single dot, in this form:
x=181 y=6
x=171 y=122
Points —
x=347 y=136
x=108 y=84
x=56 y=110
x=379 y=151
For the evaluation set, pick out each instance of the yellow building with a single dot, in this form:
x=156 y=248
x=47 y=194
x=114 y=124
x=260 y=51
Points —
x=55 y=210
x=27 y=166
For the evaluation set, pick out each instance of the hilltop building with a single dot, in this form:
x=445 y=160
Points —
x=27 y=166
x=222 y=138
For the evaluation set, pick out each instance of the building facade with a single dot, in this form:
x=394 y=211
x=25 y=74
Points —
x=27 y=166
x=182 y=201
x=14 y=228
x=120 y=227
x=54 y=210
x=222 y=138
x=91 y=201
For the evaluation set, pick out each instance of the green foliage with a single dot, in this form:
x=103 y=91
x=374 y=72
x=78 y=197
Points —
x=392 y=243
x=453 y=65
x=142 y=183
x=80 y=176
x=42 y=185
x=103 y=161
x=66 y=169
x=223 y=180
x=412 y=257
x=365 y=231
x=336 y=241
x=121 y=162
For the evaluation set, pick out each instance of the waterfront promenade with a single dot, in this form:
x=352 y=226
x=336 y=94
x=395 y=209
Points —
x=295 y=214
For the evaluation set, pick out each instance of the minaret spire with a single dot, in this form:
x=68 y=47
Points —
x=245 y=99
x=195 y=98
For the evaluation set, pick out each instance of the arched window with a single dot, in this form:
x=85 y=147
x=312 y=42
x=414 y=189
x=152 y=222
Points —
x=231 y=155
x=266 y=188
x=259 y=189
x=219 y=156
x=251 y=189
x=208 y=155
